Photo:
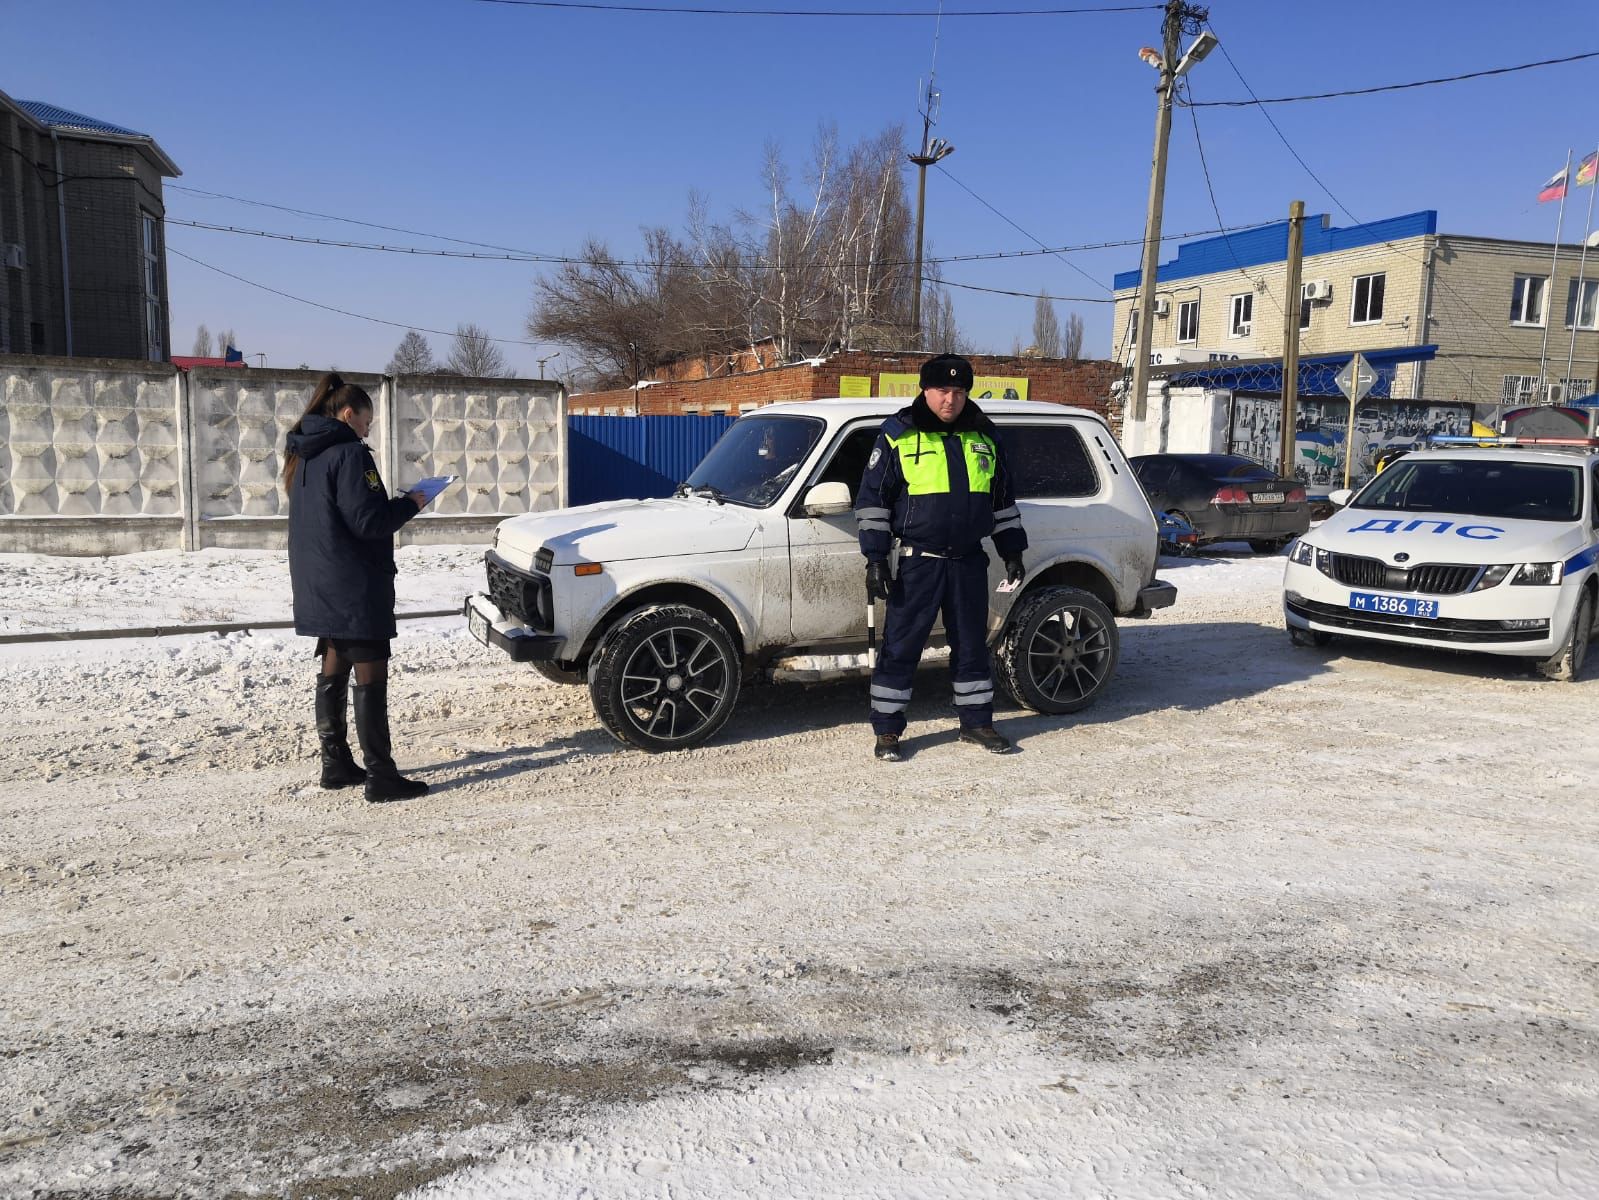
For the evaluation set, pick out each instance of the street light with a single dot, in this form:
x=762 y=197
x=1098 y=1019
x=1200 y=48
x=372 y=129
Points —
x=1179 y=16
x=546 y=359
x=932 y=152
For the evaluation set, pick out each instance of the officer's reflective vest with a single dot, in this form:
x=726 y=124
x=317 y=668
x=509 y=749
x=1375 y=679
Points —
x=925 y=466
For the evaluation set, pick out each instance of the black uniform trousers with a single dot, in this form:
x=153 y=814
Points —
x=926 y=587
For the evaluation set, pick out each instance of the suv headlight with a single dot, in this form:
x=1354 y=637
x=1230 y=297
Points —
x=1539 y=574
x=1302 y=553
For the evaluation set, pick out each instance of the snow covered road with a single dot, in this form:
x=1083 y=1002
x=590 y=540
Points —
x=1264 y=922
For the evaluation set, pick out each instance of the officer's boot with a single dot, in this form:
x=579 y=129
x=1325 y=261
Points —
x=332 y=731
x=383 y=779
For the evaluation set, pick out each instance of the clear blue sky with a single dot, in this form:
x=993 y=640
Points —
x=536 y=128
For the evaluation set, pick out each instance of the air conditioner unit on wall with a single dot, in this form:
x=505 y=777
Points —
x=1162 y=306
x=1555 y=393
x=1318 y=289
x=11 y=255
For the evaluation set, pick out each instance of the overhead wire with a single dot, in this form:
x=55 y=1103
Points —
x=344 y=312
x=972 y=287
x=688 y=10
x=1393 y=87
x=1057 y=252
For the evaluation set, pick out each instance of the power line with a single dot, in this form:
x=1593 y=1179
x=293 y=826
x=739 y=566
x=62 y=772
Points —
x=1392 y=87
x=343 y=312
x=517 y=256
x=680 y=10
x=1044 y=249
x=304 y=212
x=1210 y=188
x=1443 y=283
x=972 y=287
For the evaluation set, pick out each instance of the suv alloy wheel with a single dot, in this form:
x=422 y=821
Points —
x=1058 y=651
x=665 y=678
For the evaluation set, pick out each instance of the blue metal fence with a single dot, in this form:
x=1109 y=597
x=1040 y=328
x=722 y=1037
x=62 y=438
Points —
x=633 y=458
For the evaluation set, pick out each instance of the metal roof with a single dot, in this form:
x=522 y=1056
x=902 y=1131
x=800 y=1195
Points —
x=65 y=118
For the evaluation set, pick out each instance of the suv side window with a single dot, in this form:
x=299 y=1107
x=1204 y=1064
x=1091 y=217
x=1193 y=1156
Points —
x=1048 y=461
x=1593 y=498
x=848 y=463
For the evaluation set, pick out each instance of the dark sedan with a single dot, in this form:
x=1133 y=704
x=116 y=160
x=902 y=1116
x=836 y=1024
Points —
x=1226 y=498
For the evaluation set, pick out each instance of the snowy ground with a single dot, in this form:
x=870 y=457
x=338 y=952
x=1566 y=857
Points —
x=1263 y=923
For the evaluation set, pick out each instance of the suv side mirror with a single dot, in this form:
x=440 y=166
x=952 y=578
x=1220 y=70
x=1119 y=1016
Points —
x=827 y=500
x=1339 y=497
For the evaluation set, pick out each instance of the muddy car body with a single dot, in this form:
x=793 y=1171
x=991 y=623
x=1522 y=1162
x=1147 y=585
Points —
x=662 y=607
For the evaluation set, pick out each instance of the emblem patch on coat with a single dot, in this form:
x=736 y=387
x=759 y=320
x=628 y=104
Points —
x=373 y=482
x=877 y=453
x=984 y=454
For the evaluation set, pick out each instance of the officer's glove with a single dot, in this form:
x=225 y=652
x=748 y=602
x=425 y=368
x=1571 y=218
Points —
x=878 y=580
x=1014 y=570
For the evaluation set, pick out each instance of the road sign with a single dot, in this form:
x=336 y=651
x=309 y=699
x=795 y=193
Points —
x=1357 y=378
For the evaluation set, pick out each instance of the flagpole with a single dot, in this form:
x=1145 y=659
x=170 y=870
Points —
x=1543 y=355
x=1582 y=266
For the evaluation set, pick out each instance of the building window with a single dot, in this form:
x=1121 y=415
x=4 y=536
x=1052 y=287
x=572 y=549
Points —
x=1304 y=306
x=1366 y=306
x=1526 y=299
x=1132 y=328
x=1188 y=321
x=1587 y=313
x=152 y=286
x=1243 y=315
x=1519 y=389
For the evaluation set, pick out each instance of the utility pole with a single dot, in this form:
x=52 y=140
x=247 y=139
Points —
x=1292 y=305
x=1180 y=17
x=930 y=153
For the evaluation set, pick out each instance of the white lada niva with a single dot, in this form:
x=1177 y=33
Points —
x=663 y=607
x=1488 y=547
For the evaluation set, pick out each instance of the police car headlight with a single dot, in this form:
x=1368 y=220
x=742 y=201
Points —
x=1302 y=553
x=1494 y=576
x=1539 y=574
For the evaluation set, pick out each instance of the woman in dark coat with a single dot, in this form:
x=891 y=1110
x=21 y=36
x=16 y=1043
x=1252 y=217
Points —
x=341 y=562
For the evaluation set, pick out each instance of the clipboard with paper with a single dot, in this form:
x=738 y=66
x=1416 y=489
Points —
x=432 y=486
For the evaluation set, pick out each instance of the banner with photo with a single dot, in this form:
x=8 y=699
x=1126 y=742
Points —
x=1320 y=431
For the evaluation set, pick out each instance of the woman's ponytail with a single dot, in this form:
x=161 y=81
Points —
x=329 y=396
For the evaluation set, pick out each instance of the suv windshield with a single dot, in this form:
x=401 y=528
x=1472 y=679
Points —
x=756 y=459
x=1520 y=491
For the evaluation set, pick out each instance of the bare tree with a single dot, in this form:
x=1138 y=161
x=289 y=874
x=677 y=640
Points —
x=474 y=353
x=1072 y=342
x=940 y=334
x=1046 y=328
x=413 y=356
x=202 y=343
x=225 y=339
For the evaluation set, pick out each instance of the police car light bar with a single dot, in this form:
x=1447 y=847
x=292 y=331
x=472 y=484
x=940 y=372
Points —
x=1461 y=440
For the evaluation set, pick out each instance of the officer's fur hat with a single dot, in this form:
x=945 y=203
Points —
x=947 y=370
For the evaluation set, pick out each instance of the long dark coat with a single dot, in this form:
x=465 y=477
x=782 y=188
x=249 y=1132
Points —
x=341 y=535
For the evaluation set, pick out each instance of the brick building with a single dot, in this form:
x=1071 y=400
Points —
x=1084 y=383
x=1489 y=305
x=82 y=254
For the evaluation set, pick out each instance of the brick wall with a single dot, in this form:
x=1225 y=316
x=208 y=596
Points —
x=1083 y=383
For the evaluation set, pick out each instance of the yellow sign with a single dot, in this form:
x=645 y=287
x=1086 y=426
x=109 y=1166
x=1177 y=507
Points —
x=984 y=387
x=854 y=385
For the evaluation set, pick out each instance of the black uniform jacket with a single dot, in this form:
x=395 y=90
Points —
x=341 y=535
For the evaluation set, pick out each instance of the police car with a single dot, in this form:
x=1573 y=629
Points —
x=1470 y=545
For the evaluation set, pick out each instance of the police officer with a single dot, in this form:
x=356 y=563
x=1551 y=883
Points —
x=341 y=564
x=937 y=483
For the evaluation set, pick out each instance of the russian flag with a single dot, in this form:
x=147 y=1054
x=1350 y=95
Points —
x=1555 y=189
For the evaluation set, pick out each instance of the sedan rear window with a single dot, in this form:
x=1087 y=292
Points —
x=1517 y=491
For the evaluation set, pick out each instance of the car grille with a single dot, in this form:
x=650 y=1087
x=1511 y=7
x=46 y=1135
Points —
x=525 y=597
x=1430 y=579
x=1444 y=629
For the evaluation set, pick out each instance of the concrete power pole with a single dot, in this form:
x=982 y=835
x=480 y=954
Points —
x=1178 y=16
x=1292 y=303
x=932 y=150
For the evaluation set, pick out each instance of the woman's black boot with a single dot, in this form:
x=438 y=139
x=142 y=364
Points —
x=383 y=779
x=332 y=731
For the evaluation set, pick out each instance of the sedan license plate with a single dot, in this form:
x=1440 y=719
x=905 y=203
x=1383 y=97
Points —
x=1267 y=497
x=1397 y=606
x=477 y=624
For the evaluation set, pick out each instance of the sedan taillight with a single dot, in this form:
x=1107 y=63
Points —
x=1231 y=495
x=1296 y=495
